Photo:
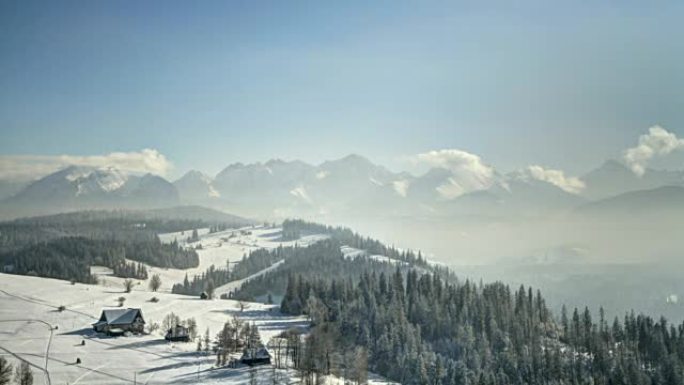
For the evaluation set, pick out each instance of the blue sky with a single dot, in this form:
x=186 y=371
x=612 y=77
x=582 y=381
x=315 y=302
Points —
x=564 y=85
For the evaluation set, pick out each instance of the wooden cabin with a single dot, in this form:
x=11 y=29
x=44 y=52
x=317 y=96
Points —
x=258 y=356
x=116 y=322
x=178 y=333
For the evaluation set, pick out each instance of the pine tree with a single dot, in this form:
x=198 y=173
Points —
x=210 y=288
x=5 y=371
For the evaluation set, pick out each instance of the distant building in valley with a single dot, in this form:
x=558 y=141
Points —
x=178 y=333
x=257 y=356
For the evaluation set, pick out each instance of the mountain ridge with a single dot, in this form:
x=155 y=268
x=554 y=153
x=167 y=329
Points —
x=351 y=185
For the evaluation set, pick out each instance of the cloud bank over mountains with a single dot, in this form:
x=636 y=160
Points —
x=658 y=142
x=463 y=172
x=26 y=167
x=573 y=185
x=469 y=172
x=459 y=195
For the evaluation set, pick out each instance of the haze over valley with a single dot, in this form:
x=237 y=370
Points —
x=341 y=193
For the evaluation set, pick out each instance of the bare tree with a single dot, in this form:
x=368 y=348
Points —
x=275 y=378
x=360 y=366
x=170 y=321
x=207 y=341
x=121 y=301
x=155 y=282
x=191 y=324
x=275 y=345
x=24 y=375
x=252 y=375
x=128 y=285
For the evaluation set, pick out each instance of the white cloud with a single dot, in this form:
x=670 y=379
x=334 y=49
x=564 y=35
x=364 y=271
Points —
x=557 y=178
x=401 y=187
x=24 y=167
x=469 y=172
x=658 y=142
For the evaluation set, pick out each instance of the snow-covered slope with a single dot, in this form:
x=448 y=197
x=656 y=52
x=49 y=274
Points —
x=29 y=305
x=196 y=187
x=33 y=329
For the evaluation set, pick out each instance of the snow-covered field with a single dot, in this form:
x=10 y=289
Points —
x=34 y=330
x=28 y=311
x=28 y=303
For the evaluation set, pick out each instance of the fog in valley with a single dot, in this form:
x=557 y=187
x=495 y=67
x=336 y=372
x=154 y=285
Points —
x=610 y=237
x=443 y=193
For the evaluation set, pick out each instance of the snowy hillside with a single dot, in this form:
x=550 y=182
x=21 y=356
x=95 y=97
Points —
x=28 y=302
x=33 y=328
x=219 y=248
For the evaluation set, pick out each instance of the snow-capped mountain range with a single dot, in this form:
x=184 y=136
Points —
x=77 y=188
x=352 y=185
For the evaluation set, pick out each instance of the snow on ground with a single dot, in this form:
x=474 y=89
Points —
x=26 y=301
x=232 y=286
x=353 y=253
x=31 y=325
x=373 y=379
x=217 y=249
x=181 y=236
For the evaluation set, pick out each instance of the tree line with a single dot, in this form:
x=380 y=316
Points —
x=22 y=376
x=293 y=229
x=213 y=277
x=319 y=260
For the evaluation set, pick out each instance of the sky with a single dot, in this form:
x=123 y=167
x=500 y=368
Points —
x=204 y=84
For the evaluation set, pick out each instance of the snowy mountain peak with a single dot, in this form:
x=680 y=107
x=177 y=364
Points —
x=196 y=185
x=88 y=180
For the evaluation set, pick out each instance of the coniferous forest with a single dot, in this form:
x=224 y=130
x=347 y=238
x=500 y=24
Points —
x=417 y=323
x=255 y=261
x=404 y=318
x=65 y=246
x=418 y=329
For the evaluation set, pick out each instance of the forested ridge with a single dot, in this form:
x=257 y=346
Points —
x=412 y=322
x=293 y=229
x=213 y=277
x=419 y=329
x=65 y=246
x=319 y=260
x=419 y=324
x=296 y=258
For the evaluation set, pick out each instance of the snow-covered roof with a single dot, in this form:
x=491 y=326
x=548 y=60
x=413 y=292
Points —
x=263 y=353
x=250 y=354
x=119 y=316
